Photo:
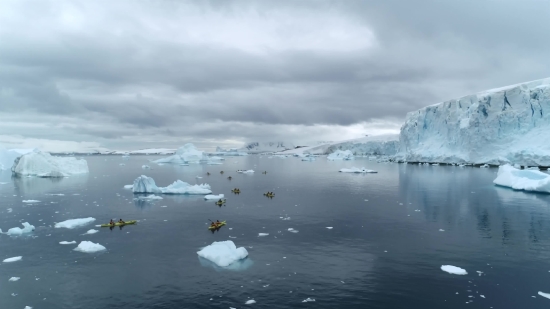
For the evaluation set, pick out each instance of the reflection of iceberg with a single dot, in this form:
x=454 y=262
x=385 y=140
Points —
x=240 y=265
x=34 y=186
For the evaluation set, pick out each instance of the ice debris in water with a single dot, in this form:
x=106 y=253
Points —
x=30 y=201
x=262 y=234
x=213 y=197
x=17 y=231
x=89 y=232
x=13 y=259
x=528 y=180
x=329 y=227
x=12 y=279
x=74 y=223
x=453 y=270
x=441 y=230
x=89 y=247
x=245 y=171
x=292 y=230
x=546 y=295
x=128 y=186
x=250 y=302
x=67 y=242
x=144 y=184
x=308 y=300
x=10 y=210
x=223 y=253
x=356 y=170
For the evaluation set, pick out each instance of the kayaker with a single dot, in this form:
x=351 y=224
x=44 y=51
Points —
x=121 y=222
x=217 y=222
x=213 y=224
x=220 y=201
x=112 y=222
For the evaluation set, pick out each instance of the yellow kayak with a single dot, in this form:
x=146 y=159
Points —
x=120 y=224
x=217 y=226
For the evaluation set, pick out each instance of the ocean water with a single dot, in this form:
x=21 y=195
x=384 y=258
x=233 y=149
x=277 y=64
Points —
x=385 y=249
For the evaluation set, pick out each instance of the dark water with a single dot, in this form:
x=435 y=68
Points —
x=381 y=253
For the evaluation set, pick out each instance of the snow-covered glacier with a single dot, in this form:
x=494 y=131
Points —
x=42 y=164
x=497 y=126
x=376 y=145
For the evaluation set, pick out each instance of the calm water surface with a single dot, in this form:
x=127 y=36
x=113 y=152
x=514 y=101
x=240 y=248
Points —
x=385 y=249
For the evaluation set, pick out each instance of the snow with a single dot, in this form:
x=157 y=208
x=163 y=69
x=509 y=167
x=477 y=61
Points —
x=245 y=171
x=13 y=259
x=89 y=232
x=42 y=164
x=67 y=242
x=89 y=247
x=213 y=197
x=250 y=302
x=74 y=223
x=30 y=201
x=547 y=295
x=528 y=180
x=223 y=253
x=13 y=279
x=17 y=231
x=498 y=126
x=188 y=153
x=144 y=184
x=340 y=155
x=453 y=270
x=357 y=170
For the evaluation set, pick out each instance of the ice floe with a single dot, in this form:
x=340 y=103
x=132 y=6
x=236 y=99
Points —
x=144 y=184
x=74 y=223
x=329 y=227
x=89 y=232
x=213 y=197
x=223 y=253
x=453 y=270
x=89 y=247
x=546 y=295
x=308 y=300
x=13 y=279
x=17 y=231
x=145 y=167
x=13 y=259
x=528 y=180
x=128 y=186
x=356 y=170
x=250 y=302
x=67 y=242
x=262 y=234
x=42 y=164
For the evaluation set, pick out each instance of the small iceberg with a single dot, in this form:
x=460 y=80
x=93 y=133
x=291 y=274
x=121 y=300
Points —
x=213 y=197
x=453 y=270
x=310 y=159
x=17 y=231
x=340 y=155
x=357 y=170
x=13 y=279
x=144 y=184
x=263 y=234
x=308 y=300
x=67 y=242
x=89 y=247
x=145 y=167
x=528 y=180
x=128 y=186
x=90 y=232
x=223 y=253
x=13 y=259
x=74 y=223
x=250 y=302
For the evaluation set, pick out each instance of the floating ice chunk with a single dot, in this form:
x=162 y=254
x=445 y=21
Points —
x=122 y=164
x=262 y=234
x=144 y=184
x=17 y=231
x=528 y=180
x=479 y=272
x=13 y=259
x=128 y=186
x=89 y=247
x=9 y=210
x=308 y=300
x=213 y=197
x=13 y=279
x=441 y=230
x=340 y=155
x=546 y=295
x=293 y=230
x=250 y=302
x=67 y=242
x=42 y=164
x=30 y=201
x=453 y=270
x=357 y=170
x=245 y=171
x=90 y=232
x=28 y=307
x=329 y=227
x=74 y=223
x=145 y=166
x=482 y=296
x=223 y=253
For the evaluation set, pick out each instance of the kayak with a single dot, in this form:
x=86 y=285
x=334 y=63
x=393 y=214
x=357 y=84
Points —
x=217 y=226
x=218 y=203
x=120 y=224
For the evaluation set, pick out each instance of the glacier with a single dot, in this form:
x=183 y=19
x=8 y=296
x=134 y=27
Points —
x=186 y=154
x=497 y=126
x=144 y=184
x=42 y=164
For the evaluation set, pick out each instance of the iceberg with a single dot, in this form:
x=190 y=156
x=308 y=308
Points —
x=528 y=180
x=223 y=253
x=453 y=270
x=340 y=155
x=17 y=231
x=213 y=197
x=356 y=170
x=184 y=155
x=13 y=259
x=497 y=126
x=42 y=164
x=89 y=247
x=74 y=223
x=144 y=184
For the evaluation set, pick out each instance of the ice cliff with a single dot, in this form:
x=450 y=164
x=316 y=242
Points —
x=504 y=125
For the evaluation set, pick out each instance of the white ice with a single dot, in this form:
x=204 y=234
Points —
x=528 y=180
x=245 y=171
x=42 y=164
x=262 y=234
x=329 y=227
x=341 y=155
x=546 y=295
x=144 y=184
x=89 y=232
x=213 y=197
x=128 y=186
x=74 y=223
x=17 y=231
x=67 y=242
x=250 y=302
x=13 y=259
x=357 y=170
x=7 y=157
x=13 y=279
x=453 y=270
x=308 y=300
x=184 y=155
x=89 y=247
x=30 y=201
x=223 y=253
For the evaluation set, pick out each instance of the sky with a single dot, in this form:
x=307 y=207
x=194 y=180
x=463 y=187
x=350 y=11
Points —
x=137 y=74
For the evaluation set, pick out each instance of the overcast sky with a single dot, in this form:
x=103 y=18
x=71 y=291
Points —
x=142 y=74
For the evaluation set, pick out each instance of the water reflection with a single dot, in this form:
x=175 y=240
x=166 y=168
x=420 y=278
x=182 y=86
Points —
x=240 y=265
x=37 y=185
